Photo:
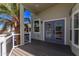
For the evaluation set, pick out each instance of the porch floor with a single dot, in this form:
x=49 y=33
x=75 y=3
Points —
x=39 y=48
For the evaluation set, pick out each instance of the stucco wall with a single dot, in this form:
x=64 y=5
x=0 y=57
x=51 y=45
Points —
x=57 y=12
x=75 y=50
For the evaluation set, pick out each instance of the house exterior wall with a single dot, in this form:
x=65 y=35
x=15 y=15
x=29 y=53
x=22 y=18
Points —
x=33 y=34
x=75 y=49
x=57 y=12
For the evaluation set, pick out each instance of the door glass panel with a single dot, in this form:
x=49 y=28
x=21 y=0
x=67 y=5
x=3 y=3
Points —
x=76 y=32
x=48 y=29
x=58 y=32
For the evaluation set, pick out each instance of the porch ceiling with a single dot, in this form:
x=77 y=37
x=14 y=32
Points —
x=38 y=7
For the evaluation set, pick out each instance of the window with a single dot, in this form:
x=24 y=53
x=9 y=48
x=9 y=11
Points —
x=76 y=28
x=76 y=37
x=58 y=28
x=36 y=26
x=70 y=29
x=58 y=32
x=76 y=20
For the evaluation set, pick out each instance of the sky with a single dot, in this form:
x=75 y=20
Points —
x=1 y=25
x=5 y=16
x=27 y=14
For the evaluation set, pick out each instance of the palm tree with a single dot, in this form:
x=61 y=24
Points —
x=12 y=10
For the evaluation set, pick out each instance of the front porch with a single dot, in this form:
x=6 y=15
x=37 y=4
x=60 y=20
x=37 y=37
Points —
x=49 y=29
x=40 y=48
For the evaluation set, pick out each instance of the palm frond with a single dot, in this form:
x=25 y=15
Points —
x=10 y=9
x=4 y=12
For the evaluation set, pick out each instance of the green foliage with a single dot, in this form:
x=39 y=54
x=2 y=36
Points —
x=10 y=8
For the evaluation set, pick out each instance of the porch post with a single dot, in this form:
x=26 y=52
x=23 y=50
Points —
x=21 y=24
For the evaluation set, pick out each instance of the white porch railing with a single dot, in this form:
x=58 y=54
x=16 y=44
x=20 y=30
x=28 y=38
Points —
x=7 y=43
x=13 y=34
x=1 y=48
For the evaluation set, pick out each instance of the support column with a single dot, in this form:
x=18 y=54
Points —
x=21 y=24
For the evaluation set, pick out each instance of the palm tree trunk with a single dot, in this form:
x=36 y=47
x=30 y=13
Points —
x=17 y=30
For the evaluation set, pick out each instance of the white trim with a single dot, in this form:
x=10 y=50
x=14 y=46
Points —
x=77 y=46
x=65 y=33
x=72 y=29
x=75 y=12
x=7 y=38
x=29 y=36
x=36 y=34
x=55 y=20
x=76 y=28
x=34 y=24
x=43 y=31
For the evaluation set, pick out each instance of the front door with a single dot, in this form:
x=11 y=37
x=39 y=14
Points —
x=54 y=31
x=59 y=31
x=49 y=37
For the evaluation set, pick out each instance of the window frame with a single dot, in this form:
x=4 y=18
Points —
x=38 y=25
x=74 y=29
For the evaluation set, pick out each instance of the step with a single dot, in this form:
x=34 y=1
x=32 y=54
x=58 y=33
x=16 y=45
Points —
x=25 y=53
x=12 y=54
x=17 y=52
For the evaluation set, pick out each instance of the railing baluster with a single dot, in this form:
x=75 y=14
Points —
x=1 y=48
x=13 y=39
